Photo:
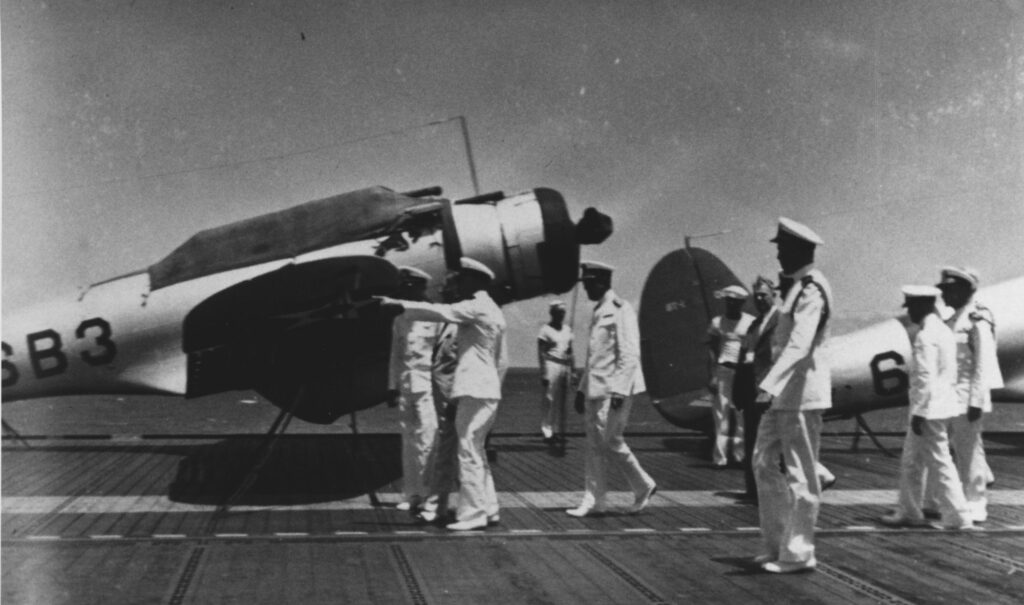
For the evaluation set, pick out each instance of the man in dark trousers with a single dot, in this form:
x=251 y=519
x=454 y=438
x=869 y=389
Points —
x=756 y=360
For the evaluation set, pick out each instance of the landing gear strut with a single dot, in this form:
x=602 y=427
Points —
x=863 y=428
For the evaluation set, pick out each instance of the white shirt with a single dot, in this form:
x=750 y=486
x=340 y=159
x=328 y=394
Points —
x=799 y=378
x=730 y=334
x=613 y=354
x=483 y=353
x=412 y=347
x=933 y=371
x=553 y=349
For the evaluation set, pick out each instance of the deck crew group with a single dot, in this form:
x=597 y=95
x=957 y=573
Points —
x=449 y=360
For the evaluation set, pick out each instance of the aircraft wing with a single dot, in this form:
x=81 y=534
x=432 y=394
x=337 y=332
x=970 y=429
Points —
x=306 y=336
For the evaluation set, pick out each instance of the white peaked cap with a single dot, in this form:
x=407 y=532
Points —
x=788 y=228
x=914 y=291
x=737 y=292
x=556 y=304
x=469 y=264
x=950 y=274
x=414 y=272
x=592 y=268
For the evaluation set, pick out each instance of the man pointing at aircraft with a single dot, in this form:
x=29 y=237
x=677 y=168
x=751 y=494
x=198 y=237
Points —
x=483 y=360
x=799 y=388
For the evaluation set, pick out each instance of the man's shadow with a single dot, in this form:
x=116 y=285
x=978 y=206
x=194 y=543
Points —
x=299 y=469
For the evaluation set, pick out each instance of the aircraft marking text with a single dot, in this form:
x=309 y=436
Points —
x=46 y=350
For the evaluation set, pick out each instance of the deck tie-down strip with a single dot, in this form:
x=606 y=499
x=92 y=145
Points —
x=649 y=593
x=866 y=588
x=411 y=583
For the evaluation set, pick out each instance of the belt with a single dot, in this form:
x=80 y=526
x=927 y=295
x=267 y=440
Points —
x=732 y=365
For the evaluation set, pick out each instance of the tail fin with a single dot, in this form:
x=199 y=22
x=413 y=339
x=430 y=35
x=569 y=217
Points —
x=675 y=309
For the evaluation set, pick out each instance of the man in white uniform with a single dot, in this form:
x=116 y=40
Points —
x=444 y=476
x=725 y=339
x=933 y=402
x=483 y=360
x=611 y=376
x=554 y=355
x=973 y=327
x=409 y=382
x=799 y=387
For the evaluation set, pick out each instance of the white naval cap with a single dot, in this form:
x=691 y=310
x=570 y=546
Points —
x=914 y=291
x=790 y=229
x=592 y=269
x=415 y=273
x=556 y=304
x=734 y=292
x=950 y=275
x=469 y=264
x=763 y=284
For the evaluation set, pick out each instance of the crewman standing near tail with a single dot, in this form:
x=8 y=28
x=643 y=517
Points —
x=611 y=376
x=933 y=402
x=799 y=386
x=725 y=339
x=412 y=346
x=444 y=476
x=973 y=327
x=554 y=355
x=483 y=360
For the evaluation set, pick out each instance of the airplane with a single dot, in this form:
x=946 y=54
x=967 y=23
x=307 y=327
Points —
x=283 y=304
x=868 y=365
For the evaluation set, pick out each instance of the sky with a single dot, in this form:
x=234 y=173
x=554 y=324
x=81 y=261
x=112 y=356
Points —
x=894 y=129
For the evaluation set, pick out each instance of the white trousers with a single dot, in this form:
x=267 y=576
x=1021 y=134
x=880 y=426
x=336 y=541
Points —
x=788 y=503
x=722 y=409
x=928 y=454
x=971 y=465
x=418 y=420
x=553 y=397
x=477 y=498
x=607 y=447
x=965 y=437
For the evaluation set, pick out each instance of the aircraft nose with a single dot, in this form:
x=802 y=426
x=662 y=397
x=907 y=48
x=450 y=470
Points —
x=594 y=227
x=560 y=251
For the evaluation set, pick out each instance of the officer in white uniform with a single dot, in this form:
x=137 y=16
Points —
x=554 y=355
x=799 y=387
x=725 y=340
x=933 y=402
x=973 y=327
x=409 y=381
x=483 y=360
x=611 y=376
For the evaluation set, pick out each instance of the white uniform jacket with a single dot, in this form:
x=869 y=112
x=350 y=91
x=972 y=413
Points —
x=799 y=378
x=483 y=353
x=977 y=366
x=613 y=354
x=933 y=371
x=412 y=346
